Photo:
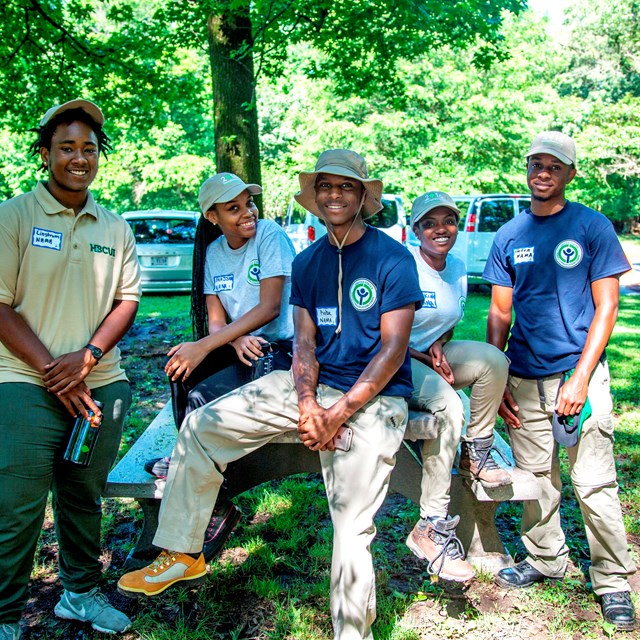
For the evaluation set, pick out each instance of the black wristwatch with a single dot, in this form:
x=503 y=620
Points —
x=96 y=352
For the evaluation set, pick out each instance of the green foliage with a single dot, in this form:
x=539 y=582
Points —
x=435 y=95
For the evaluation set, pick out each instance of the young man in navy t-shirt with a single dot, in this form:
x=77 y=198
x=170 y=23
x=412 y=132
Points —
x=557 y=266
x=354 y=294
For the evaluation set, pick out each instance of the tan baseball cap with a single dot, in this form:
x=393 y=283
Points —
x=223 y=187
x=428 y=202
x=556 y=144
x=89 y=107
x=340 y=162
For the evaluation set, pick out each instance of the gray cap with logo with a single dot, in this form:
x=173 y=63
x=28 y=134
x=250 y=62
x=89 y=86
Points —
x=223 y=187
x=428 y=202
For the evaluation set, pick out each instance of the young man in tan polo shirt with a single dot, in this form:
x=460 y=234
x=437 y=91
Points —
x=69 y=290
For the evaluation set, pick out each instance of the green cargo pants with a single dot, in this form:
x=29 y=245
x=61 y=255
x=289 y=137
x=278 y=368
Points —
x=34 y=427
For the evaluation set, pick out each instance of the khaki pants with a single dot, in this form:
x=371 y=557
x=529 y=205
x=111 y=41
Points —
x=484 y=368
x=593 y=475
x=356 y=481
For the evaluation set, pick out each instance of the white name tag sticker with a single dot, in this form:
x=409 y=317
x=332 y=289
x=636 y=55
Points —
x=223 y=283
x=47 y=239
x=327 y=316
x=525 y=254
x=429 y=301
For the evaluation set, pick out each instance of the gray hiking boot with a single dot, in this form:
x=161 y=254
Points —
x=435 y=540
x=477 y=462
x=92 y=607
x=10 y=631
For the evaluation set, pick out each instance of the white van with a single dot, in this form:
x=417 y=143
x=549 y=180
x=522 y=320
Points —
x=480 y=217
x=303 y=227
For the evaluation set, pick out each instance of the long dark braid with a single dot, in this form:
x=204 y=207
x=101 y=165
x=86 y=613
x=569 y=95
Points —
x=206 y=233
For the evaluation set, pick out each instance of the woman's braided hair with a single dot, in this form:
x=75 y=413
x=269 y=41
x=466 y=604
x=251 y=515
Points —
x=206 y=233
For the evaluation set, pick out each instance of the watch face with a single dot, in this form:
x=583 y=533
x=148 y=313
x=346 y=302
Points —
x=96 y=352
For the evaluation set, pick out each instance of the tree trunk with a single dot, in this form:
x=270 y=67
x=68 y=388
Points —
x=234 y=95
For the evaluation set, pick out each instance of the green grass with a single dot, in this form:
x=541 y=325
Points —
x=278 y=559
x=272 y=580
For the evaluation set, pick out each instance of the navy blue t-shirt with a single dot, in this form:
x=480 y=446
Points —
x=378 y=275
x=550 y=262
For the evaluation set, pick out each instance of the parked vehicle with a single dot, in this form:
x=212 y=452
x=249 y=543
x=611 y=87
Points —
x=480 y=217
x=164 y=241
x=303 y=227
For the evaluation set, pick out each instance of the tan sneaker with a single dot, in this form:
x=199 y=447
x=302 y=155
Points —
x=169 y=568
x=435 y=540
x=477 y=462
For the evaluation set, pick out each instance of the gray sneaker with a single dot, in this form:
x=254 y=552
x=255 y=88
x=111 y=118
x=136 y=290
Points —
x=92 y=607
x=10 y=631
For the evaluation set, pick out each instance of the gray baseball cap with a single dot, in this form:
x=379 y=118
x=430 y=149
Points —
x=223 y=187
x=428 y=202
x=556 y=144
x=89 y=107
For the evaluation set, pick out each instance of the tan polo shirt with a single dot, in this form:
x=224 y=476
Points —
x=62 y=273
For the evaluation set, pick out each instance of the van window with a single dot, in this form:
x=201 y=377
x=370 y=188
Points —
x=386 y=217
x=523 y=204
x=494 y=213
x=163 y=230
x=463 y=205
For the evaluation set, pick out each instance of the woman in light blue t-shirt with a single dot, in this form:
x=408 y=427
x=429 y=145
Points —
x=240 y=297
x=240 y=311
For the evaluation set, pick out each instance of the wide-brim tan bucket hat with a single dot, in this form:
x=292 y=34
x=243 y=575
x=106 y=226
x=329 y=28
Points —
x=340 y=162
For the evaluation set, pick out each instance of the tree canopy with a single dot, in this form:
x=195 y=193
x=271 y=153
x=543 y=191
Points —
x=434 y=94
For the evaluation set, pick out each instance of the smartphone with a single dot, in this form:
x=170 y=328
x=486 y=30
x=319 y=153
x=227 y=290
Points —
x=342 y=439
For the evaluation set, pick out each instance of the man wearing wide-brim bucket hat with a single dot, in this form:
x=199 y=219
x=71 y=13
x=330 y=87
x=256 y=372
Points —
x=354 y=293
x=359 y=377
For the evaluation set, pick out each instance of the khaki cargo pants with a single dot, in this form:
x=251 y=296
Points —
x=356 y=481
x=478 y=365
x=593 y=475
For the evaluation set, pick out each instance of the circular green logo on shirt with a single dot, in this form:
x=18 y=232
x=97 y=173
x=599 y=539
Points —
x=568 y=254
x=462 y=301
x=363 y=294
x=253 y=274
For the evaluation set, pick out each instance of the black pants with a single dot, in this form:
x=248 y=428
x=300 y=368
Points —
x=220 y=372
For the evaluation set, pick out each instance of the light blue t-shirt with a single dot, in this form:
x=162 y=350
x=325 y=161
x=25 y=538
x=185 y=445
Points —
x=234 y=276
x=445 y=294
x=550 y=263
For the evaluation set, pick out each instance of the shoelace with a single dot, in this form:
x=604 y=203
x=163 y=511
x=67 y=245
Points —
x=102 y=599
x=486 y=459
x=451 y=548
x=622 y=597
x=165 y=559
x=213 y=527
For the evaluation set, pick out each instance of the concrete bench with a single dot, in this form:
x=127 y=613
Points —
x=476 y=505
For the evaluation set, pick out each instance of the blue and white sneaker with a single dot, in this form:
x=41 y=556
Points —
x=92 y=607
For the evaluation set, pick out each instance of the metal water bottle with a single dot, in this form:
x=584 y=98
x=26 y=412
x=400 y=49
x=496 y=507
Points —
x=84 y=436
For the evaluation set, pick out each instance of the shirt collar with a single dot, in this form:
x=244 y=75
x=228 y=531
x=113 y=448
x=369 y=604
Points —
x=51 y=206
